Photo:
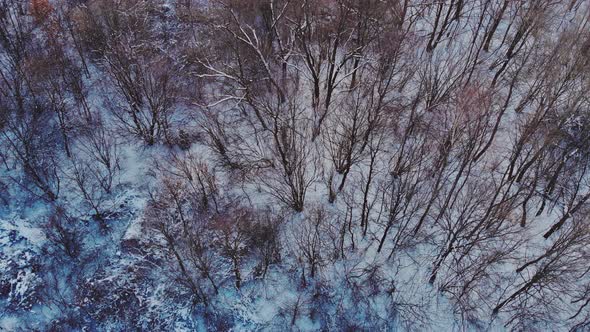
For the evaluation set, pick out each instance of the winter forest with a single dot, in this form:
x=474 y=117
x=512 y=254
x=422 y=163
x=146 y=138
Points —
x=294 y=165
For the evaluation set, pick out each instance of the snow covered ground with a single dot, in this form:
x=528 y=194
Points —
x=283 y=165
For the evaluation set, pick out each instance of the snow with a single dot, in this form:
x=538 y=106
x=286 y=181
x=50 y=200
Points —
x=126 y=276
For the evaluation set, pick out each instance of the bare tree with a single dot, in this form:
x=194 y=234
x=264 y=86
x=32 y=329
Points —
x=309 y=243
x=552 y=273
x=95 y=170
x=294 y=161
